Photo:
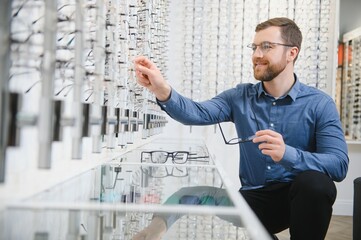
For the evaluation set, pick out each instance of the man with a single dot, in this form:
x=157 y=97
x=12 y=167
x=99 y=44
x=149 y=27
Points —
x=298 y=149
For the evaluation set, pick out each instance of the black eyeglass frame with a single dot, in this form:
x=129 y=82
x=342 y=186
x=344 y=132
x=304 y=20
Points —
x=237 y=140
x=234 y=141
x=173 y=156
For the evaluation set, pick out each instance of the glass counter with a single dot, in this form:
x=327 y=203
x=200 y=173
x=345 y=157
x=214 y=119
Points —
x=118 y=199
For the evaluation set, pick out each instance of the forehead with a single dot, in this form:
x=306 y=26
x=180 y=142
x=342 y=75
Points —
x=270 y=34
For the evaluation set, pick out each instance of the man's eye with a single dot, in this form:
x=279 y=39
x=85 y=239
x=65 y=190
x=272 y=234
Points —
x=266 y=46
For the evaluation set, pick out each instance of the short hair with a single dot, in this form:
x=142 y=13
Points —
x=290 y=32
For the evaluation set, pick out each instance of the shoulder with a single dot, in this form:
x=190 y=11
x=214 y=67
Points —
x=243 y=88
x=316 y=100
x=313 y=93
x=238 y=93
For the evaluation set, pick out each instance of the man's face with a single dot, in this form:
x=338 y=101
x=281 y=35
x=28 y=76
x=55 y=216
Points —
x=269 y=63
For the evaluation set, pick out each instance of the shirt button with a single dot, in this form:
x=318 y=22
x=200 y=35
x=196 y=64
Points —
x=164 y=106
x=268 y=167
x=274 y=103
x=271 y=124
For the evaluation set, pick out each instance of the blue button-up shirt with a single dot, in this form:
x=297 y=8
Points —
x=306 y=117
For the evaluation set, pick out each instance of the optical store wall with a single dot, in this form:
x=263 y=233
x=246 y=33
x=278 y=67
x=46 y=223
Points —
x=316 y=66
x=70 y=100
x=216 y=35
x=71 y=84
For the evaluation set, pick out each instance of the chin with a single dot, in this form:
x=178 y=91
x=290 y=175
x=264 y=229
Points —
x=262 y=78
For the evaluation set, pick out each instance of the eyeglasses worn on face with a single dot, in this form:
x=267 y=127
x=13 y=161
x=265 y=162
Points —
x=265 y=46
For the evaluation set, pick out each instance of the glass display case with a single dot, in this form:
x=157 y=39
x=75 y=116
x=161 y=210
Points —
x=176 y=182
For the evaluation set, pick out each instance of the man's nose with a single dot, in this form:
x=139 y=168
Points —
x=258 y=52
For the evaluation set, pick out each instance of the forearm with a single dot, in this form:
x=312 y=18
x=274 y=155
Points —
x=189 y=112
x=334 y=164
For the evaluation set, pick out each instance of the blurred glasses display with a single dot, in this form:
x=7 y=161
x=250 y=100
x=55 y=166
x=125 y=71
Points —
x=350 y=85
x=79 y=54
x=178 y=157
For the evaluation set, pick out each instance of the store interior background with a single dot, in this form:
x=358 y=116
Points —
x=23 y=178
x=349 y=20
x=228 y=154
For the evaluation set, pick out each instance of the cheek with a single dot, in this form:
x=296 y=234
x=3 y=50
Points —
x=253 y=59
x=287 y=56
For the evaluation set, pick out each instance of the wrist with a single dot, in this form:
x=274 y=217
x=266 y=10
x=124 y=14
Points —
x=164 y=94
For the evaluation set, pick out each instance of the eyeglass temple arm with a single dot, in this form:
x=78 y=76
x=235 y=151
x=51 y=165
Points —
x=220 y=128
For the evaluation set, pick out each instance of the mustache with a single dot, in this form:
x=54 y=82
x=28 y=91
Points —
x=260 y=62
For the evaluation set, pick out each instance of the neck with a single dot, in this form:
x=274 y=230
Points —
x=280 y=85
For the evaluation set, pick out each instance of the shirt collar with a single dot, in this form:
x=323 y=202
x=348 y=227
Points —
x=295 y=89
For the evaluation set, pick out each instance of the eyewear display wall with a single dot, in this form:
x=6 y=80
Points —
x=350 y=84
x=217 y=33
x=71 y=67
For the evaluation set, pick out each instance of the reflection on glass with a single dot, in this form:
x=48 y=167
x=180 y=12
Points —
x=164 y=171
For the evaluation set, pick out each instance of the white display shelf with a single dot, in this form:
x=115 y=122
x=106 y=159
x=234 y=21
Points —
x=118 y=199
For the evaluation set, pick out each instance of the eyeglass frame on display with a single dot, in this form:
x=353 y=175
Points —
x=173 y=155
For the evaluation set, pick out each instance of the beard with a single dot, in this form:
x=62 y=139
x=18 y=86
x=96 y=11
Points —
x=271 y=72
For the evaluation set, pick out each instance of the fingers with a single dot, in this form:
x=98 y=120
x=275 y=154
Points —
x=267 y=132
x=143 y=61
x=268 y=136
x=142 y=76
x=143 y=69
x=149 y=76
x=271 y=144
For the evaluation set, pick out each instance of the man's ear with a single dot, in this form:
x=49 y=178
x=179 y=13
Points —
x=293 y=53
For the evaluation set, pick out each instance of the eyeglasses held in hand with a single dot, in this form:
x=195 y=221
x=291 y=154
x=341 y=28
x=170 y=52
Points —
x=237 y=140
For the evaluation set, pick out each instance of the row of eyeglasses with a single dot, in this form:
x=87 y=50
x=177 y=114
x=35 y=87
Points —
x=73 y=59
x=351 y=89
